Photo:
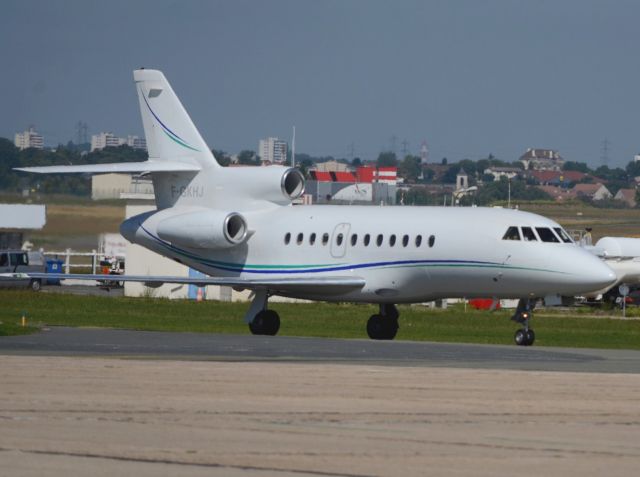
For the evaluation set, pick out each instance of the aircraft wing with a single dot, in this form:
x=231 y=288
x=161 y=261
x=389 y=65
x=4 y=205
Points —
x=335 y=285
x=124 y=167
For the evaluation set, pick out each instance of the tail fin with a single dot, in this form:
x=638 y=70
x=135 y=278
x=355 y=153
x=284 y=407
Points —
x=169 y=131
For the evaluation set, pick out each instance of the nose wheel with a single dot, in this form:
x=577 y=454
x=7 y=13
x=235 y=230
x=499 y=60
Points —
x=525 y=336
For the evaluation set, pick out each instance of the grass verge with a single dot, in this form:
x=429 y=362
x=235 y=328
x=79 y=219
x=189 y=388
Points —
x=314 y=319
x=12 y=329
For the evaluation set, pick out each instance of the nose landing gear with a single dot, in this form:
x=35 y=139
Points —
x=525 y=336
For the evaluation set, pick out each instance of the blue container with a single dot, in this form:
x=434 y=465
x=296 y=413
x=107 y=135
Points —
x=54 y=266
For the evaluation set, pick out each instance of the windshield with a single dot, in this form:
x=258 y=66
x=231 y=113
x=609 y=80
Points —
x=563 y=235
x=511 y=234
x=546 y=235
x=528 y=235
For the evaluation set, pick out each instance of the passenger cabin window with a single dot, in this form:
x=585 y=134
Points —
x=367 y=239
x=432 y=240
x=354 y=240
x=512 y=234
x=287 y=238
x=528 y=235
x=325 y=239
x=312 y=239
x=300 y=239
x=339 y=239
x=392 y=240
x=379 y=240
x=405 y=240
x=418 y=240
x=563 y=235
x=547 y=235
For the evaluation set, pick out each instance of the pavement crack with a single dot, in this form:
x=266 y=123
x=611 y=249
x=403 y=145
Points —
x=212 y=465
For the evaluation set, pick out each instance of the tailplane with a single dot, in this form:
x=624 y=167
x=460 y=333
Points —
x=169 y=131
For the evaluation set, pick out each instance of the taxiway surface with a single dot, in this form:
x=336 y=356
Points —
x=114 y=402
x=62 y=341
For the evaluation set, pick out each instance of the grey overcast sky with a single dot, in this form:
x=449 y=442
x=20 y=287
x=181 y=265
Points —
x=469 y=77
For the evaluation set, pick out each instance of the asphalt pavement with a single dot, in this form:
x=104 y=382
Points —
x=64 y=341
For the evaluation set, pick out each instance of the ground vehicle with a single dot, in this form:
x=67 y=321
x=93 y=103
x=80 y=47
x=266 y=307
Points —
x=20 y=261
x=112 y=266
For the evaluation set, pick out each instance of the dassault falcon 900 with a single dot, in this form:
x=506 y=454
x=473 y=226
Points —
x=239 y=227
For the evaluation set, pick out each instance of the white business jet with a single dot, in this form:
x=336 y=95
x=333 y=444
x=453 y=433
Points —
x=239 y=227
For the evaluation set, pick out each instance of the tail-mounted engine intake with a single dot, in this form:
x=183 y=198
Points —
x=204 y=229
x=292 y=183
x=277 y=184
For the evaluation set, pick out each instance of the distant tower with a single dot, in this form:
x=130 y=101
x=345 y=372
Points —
x=424 y=152
x=405 y=148
x=82 y=132
x=351 y=151
x=462 y=180
x=604 y=152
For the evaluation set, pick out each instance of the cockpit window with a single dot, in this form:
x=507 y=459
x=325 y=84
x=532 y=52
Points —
x=563 y=235
x=546 y=235
x=528 y=235
x=512 y=234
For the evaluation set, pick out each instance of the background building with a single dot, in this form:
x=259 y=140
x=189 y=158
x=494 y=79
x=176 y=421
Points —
x=114 y=186
x=273 y=150
x=542 y=160
x=28 y=139
x=108 y=139
x=16 y=220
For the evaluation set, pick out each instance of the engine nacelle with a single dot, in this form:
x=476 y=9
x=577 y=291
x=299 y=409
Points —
x=618 y=247
x=204 y=228
x=277 y=184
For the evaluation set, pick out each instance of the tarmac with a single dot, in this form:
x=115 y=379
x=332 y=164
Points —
x=116 y=402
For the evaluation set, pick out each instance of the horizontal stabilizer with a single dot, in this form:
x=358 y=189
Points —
x=324 y=284
x=122 y=167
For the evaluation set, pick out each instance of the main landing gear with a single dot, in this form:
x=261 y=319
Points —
x=383 y=326
x=262 y=321
x=525 y=336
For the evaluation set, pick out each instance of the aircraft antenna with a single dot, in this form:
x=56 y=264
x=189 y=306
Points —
x=293 y=148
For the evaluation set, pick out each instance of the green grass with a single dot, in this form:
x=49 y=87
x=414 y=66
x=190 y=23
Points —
x=14 y=327
x=314 y=319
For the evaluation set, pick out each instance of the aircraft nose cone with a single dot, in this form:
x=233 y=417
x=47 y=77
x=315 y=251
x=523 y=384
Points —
x=598 y=275
x=128 y=229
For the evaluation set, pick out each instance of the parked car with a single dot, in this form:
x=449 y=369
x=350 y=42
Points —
x=19 y=261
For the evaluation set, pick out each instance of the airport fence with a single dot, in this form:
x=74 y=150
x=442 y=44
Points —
x=77 y=260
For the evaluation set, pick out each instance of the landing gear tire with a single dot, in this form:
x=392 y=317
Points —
x=382 y=327
x=266 y=322
x=531 y=337
x=35 y=285
x=524 y=337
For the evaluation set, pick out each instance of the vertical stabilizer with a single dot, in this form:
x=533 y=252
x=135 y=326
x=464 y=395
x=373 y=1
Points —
x=168 y=129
